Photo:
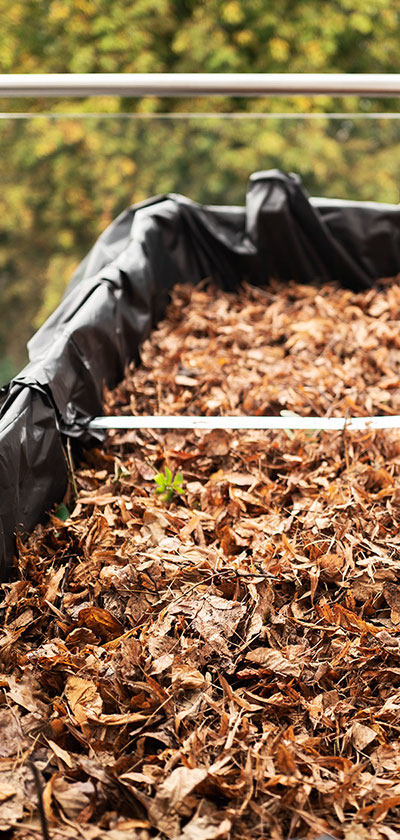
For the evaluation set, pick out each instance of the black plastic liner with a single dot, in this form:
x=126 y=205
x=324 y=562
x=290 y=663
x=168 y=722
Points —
x=121 y=288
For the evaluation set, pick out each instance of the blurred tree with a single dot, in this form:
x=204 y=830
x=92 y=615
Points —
x=65 y=178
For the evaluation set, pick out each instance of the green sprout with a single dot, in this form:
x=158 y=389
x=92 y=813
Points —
x=168 y=484
x=62 y=512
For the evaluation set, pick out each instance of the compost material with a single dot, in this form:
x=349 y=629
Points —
x=226 y=663
x=120 y=291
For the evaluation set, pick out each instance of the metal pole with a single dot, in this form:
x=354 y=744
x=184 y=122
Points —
x=198 y=84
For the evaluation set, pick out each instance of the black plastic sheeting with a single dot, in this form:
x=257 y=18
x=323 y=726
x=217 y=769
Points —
x=121 y=288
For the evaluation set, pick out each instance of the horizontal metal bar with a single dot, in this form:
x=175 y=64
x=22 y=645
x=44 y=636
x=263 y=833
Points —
x=198 y=84
x=329 y=424
x=247 y=116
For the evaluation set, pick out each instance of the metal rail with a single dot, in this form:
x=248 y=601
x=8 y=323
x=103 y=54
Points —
x=241 y=116
x=198 y=84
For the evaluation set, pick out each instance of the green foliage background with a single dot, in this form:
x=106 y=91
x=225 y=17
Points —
x=64 y=178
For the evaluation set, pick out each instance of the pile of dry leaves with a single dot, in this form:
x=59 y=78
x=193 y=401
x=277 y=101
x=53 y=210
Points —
x=226 y=665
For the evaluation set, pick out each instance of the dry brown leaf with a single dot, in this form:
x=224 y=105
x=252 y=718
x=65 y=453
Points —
x=386 y=757
x=115 y=719
x=55 y=580
x=171 y=795
x=73 y=798
x=24 y=692
x=186 y=678
x=274 y=660
x=203 y=828
x=360 y=735
x=100 y=621
x=214 y=618
x=11 y=735
x=83 y=698
x=216 y=442
x=7 y=791
x=12 y=796
x=61 y=753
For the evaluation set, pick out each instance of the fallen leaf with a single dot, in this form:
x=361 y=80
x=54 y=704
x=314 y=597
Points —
x=203 y=828
x=171 y=794
x=100 y=621
x=273 y=660
x=360 y=735
x=73 y=797
x=11 y=735
x=83 y=698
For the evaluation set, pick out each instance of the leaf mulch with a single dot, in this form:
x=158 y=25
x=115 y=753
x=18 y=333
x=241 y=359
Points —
x=226 y=665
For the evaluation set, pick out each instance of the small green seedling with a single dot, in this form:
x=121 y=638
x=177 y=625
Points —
x=62 y=512
x=169 y=484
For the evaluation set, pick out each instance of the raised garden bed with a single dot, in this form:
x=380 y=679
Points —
x=223 y=664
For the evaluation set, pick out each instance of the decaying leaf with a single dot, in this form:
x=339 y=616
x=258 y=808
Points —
x=73 y=798
x=83 y=698
x=214 y=618
x=171 y=797
x=11 y=734
x=273 y=660
x=202 y=828
x=361 y=735
x=101 y=622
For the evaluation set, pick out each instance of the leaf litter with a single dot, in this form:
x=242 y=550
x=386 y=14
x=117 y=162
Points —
x=225 y=664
